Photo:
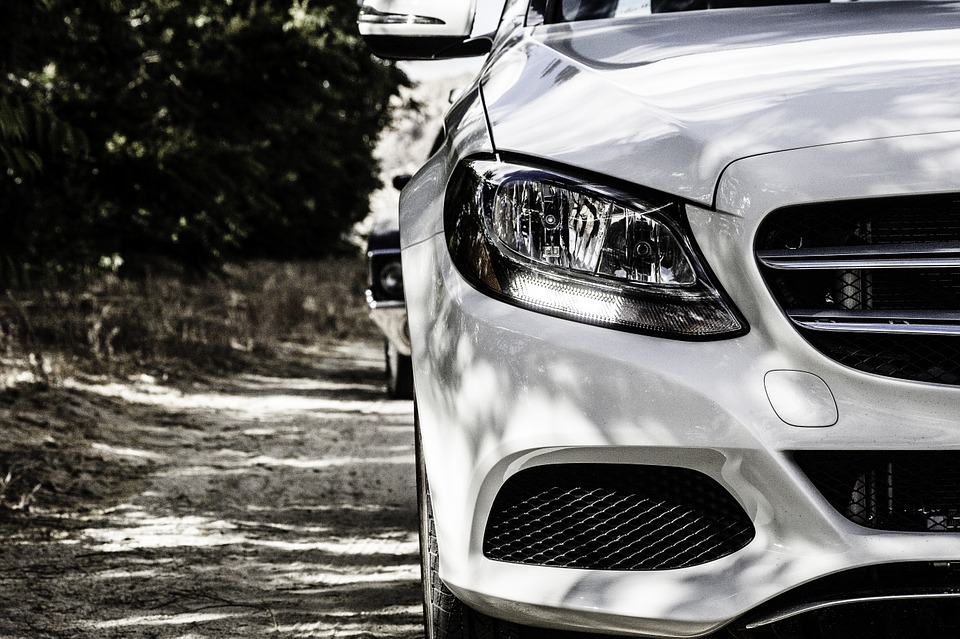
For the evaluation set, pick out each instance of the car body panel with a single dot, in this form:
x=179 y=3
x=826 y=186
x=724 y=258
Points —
x=612 y=397
x=525 y=389
x=466 y=133
x=773 y=84
x=501 y=389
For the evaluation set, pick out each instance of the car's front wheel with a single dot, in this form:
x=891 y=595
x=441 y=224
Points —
x=445 y=616
x=399 y=372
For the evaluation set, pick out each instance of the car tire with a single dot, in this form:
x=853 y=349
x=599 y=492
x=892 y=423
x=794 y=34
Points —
x=444 y=615
x=399 y=372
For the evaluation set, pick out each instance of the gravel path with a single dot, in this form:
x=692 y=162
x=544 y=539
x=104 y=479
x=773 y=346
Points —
x=272 y=505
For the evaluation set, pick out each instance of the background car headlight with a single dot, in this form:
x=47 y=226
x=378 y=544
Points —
x=583 y=251
x=391 y=279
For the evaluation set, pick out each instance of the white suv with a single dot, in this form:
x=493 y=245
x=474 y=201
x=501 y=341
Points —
x=683 y=290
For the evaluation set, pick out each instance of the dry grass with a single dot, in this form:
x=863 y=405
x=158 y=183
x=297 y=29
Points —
x=114 y=325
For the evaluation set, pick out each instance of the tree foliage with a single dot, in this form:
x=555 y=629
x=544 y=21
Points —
x=189 y=129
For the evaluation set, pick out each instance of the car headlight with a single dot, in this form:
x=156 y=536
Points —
x=391 y=279
x=583 y=251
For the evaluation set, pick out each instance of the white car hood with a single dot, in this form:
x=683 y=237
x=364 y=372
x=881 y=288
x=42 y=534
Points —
x=668 y=101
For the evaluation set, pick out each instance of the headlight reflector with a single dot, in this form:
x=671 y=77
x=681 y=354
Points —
x=583 y=251
x=547 y=223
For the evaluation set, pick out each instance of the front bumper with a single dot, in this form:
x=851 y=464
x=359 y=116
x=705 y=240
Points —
x=391 y=318
x=501 y=390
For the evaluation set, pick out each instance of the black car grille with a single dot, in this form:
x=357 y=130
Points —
x=873 y=284
x=614 y=517
x=906 y=491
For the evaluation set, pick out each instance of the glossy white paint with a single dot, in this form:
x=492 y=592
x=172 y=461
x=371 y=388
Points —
x=418 y=18
x=421 y=201
x=684 y=95
x=501 y=389
x=487 y=18
x=801 y=399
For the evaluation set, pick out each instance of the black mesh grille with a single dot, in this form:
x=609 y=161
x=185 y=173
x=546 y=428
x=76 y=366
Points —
x=914 y=357
x=614 y=517
x=906 y=491
x=885 y=298
x=860 y=289
x=901 y=220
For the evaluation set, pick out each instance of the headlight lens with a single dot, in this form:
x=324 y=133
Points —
x=582 y=251
x=391 y=279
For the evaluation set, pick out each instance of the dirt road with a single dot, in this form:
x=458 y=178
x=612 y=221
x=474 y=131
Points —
x=272 y=505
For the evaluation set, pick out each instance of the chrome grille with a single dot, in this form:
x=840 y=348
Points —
x=874 y=284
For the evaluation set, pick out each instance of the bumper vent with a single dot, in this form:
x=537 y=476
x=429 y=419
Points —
x=892 y=601
x=884 y=490
x=614 y=517
x=873 y=284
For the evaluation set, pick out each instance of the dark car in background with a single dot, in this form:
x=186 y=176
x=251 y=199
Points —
x=385 y=299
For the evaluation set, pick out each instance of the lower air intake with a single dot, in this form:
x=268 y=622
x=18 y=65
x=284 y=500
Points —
x=905 y=491
x=918 y=600
x=614 y=517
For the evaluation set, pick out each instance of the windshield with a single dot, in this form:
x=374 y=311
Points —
x=554 y=11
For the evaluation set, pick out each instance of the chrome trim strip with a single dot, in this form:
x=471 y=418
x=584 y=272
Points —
x=382 y=304
x=913 y=255
x=821 y=605
x=889 y=322
x=879 y=327
x=844 y=264
x=382 y=251
x=873 y=316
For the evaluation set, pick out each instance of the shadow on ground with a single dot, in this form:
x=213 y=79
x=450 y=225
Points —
x=280 y=503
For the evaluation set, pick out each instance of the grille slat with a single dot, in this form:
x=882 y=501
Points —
x=889 y=601
x=941 y=324
x=874 y=284
x=614 y=517
x=869 y=256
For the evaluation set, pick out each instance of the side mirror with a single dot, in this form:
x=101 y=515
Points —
x=420 y=29
x=400 y=181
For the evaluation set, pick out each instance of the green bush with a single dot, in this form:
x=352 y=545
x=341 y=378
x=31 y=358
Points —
x=195 y=130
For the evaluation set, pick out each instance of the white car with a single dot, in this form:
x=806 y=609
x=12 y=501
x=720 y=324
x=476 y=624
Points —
x=684 y=304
